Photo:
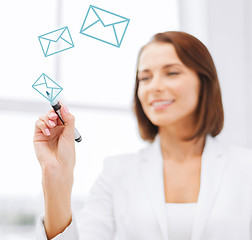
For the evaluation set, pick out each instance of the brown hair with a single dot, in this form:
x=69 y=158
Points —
x=209 y=114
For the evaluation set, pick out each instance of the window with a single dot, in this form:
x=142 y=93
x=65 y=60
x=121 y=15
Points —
x=97 y=80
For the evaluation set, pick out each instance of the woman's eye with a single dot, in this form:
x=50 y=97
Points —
x=146 y=78
x=173 y=73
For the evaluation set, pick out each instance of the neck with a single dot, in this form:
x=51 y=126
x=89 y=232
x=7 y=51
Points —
x=174 y=148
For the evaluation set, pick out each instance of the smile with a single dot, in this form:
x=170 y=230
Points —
x=162 y=104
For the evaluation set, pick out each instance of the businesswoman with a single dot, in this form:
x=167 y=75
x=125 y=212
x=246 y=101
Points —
x=185 y=184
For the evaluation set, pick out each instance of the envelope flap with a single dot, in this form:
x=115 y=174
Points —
x=108 y=18
x=40 y=80
x=120 y=30
x=90 y=19
x=50 y=83
x=55 y=93
x=67 y=37
x=54 y=35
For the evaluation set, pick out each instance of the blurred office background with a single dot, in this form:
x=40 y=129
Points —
x=98 y=81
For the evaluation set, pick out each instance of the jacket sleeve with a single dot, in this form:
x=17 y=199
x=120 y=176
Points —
x=95 y=221
x=70 y=232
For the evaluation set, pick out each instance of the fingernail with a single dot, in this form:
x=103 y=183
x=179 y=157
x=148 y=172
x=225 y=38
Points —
x=66 y=110
x=52 y=114
x=52 y=123
x=47 y=132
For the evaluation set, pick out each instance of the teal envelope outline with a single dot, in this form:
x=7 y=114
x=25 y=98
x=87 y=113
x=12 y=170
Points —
x=121 y=20
x=43 y=84
x=56 y=38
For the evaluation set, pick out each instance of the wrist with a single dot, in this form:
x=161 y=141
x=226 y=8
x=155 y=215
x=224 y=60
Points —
x=51 y=175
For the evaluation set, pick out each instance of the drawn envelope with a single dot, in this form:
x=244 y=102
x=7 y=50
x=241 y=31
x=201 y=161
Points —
x=56 y=41
x=46 y=86
x=104 y=26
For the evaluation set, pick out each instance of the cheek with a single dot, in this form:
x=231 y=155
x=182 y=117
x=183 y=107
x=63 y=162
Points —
x=143 y=98
x=141 y=94
x=190 y=95
x=187 y=93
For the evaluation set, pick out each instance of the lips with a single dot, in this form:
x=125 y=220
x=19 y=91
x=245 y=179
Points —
x=162 y=101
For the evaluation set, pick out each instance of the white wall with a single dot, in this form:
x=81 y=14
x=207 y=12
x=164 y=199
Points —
x=225 y=28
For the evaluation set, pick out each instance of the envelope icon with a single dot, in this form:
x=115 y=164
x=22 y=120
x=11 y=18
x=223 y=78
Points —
x=104 y=26
x=56 y=41
x=47 y=87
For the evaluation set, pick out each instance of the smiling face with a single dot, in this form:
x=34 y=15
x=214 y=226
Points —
x=163 y=76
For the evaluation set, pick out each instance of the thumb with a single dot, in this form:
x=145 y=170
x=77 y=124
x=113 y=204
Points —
x=69 y=120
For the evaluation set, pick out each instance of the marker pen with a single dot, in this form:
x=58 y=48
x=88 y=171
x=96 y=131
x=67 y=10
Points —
x=56 y=106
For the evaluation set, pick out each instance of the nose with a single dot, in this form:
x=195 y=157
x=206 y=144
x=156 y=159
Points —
x=157 y=84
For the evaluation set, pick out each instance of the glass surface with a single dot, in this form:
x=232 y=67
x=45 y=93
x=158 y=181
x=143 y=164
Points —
x=98 y=73
x=92 y=73
x=21 y=54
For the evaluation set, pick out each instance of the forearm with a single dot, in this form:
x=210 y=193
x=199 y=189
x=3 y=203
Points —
x=57 y=196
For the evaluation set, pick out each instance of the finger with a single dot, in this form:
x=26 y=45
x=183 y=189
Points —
x=67 y=117
x=49 y=123
x=53 y=117
x=41 y=126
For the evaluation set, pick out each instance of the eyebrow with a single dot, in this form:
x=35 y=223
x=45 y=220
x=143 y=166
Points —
x=165 y=66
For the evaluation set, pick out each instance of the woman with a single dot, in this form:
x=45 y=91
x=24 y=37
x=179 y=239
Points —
x=185 y=185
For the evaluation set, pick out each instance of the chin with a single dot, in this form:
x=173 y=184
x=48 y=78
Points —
x=162 y=122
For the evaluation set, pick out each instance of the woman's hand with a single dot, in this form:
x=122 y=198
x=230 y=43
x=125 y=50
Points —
x=54 y=144
x=55 y=150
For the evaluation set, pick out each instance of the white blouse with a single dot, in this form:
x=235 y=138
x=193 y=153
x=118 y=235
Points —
x=180 y=219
